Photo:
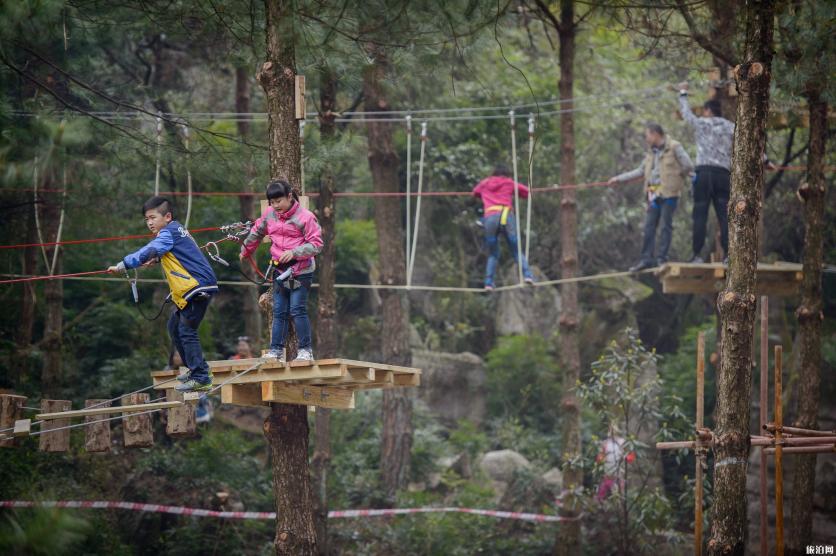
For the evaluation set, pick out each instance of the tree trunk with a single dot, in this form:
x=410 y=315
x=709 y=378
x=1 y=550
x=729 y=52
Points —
x=568 y=537
x=27 y=311
x=810 y=318
x=51 y=374
x=252 y=315
x=286 y=429
x=737 y=301
x=327 y=340
x=396 y=443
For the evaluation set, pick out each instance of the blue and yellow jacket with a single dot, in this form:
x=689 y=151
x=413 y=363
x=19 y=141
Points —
x=184 y=266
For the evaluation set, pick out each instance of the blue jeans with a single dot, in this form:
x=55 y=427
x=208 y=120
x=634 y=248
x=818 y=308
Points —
x=182 y=327
x=660 y=209
x=291 y=303
x=492 y=231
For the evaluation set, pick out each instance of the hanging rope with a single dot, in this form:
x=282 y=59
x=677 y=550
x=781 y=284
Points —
x=188 y=175
x=302 y=156
x=516 y=194
x=530 y=182
x=417 y=205
x=60 y=220
x=408 y=185
x=159 y=146
x=37 y=217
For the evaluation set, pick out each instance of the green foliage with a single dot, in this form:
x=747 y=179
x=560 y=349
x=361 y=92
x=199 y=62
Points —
x=523 y=381
x=42 y=531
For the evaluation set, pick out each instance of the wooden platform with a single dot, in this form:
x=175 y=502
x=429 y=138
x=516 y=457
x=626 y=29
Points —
x=327 y=383
x=781 y=279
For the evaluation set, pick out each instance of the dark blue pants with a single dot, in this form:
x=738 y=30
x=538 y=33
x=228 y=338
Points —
x=182 y=327
x=288 y=304
x=711 y=187
x=660 y=209
x=492 y=231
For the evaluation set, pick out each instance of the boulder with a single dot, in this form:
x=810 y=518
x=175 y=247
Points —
x=527 y=310
x=452 y=385
x=502 y=465
x=459 y=464
x=554 y=479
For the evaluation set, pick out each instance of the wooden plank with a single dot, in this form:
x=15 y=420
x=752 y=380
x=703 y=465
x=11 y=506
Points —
x=302 y=394
x=299 y=103
x=137 y=429
x=58 y=441
x=11 y=411
x=97 y=431
x=242 y=394
x=364 y=364
x=22 y=427
x=302 y=373
x=180 y=419
x=107 y=410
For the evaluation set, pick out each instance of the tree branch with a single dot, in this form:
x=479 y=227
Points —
x=699 y=37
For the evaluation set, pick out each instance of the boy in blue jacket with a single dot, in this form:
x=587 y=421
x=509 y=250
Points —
x=190 y=279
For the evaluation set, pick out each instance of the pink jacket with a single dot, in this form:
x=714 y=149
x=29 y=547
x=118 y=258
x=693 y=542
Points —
x=498 y=191
x=296 y=230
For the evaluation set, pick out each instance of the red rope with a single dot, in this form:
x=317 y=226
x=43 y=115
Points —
x=96 y=240
x=53 y=277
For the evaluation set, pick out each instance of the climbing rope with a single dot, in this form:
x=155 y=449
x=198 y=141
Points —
x=530 y=182
x=159 y=146
x=516 y=194
x=417 y=204
x=408 y=185
x=188 y=175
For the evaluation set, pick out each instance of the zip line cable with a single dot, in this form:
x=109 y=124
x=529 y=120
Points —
x=157 y=156
x=188 y=176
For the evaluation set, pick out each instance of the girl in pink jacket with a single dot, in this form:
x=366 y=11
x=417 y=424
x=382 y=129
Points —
x=296 y=240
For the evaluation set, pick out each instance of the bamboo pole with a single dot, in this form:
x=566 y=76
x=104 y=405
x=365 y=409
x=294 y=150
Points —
x=797 y=431
x=779 y=470
x=764 y=395
x=823 y=449
x=698 y=448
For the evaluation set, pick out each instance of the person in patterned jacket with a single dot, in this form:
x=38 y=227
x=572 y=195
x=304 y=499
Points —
x=296 y=240
x=714 y=135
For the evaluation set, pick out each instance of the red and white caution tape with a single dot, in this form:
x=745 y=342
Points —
x=197 y=512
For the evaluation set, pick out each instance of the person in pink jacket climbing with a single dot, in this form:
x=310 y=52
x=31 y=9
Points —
x=497 y=194
x=295 y=234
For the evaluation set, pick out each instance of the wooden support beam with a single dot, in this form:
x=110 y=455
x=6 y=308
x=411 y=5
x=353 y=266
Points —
x=300 y=97
x=97 y=431
x=242 y=394
x=779 y=462
x=58 y=441
x=11 y=410
x=137 y=429
x=107 y=410
x=180 y=419
x=700 y=456
x=300 y=394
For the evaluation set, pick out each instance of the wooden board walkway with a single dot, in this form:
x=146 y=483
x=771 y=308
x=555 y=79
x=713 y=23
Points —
x=781 y=279
x=327 y=383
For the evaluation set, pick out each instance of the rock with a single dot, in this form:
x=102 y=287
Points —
x=553 y=478
x=528 y=310
x=452 y=385
x=502 y=465
x=459 y=464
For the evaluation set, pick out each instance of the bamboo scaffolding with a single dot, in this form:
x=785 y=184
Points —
x=779 y=455
x=764 y=400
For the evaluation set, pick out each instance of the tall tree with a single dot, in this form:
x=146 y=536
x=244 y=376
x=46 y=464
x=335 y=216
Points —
x=396 y=443
x=286 y=428
x=327 y=340
x=737 y=301
x=569 y=534
x=251 y=313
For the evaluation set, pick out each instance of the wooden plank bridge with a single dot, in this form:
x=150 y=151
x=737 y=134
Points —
x=781 y=278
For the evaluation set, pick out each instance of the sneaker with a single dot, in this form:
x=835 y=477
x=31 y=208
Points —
x=192 y=385
x=641 y=265
x=204 y=410
x=696 y=259
x=184 y=376
x=277 y=354
x=304 y=354
x=726 y=261
x=488 y=287
x=529 y=280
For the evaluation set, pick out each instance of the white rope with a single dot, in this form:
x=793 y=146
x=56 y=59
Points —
x=516 y=195
x=188 y=175
x=60 y=220
x=302 y=156
x=530 y=183
x=417 y=205
x=37 y=218
x=408 y=185
x=159 y=146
